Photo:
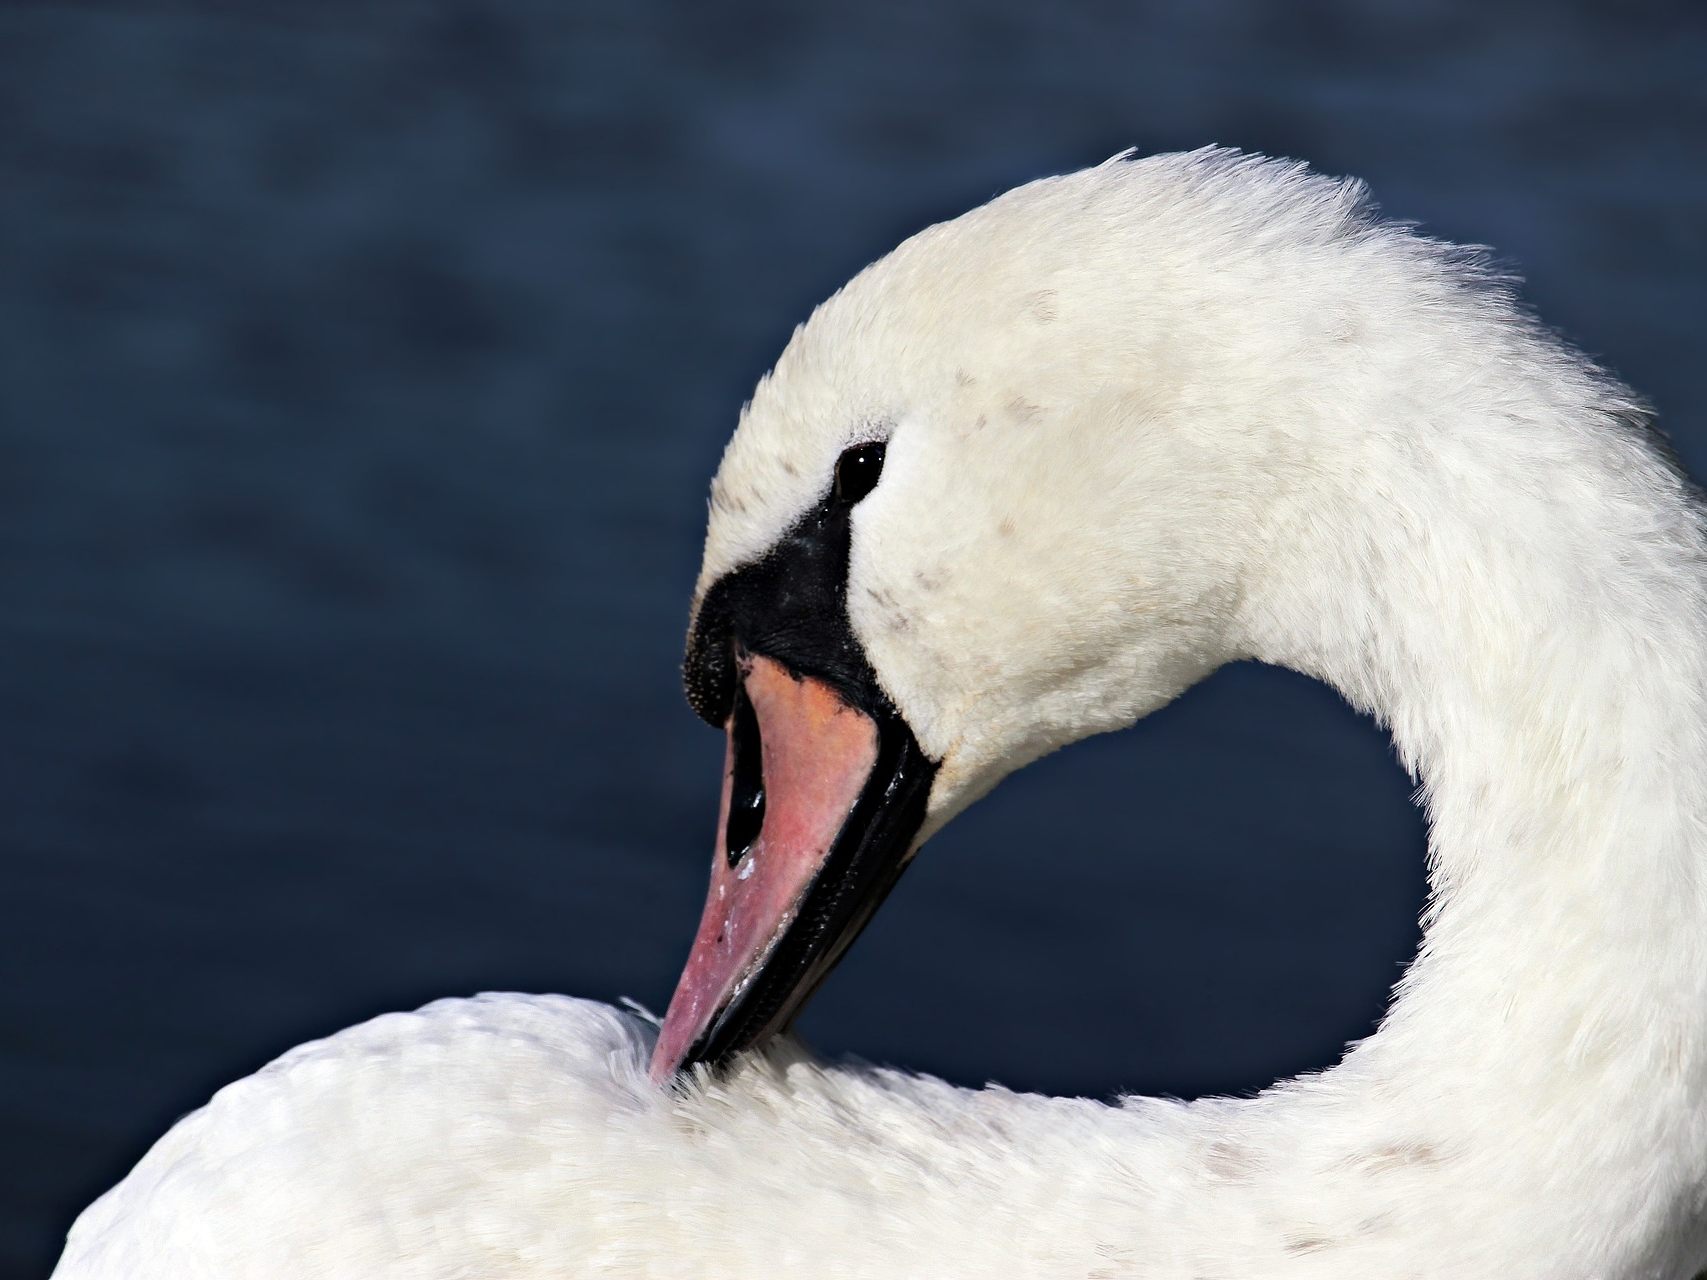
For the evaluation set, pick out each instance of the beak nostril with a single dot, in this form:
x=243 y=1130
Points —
x=746 y=782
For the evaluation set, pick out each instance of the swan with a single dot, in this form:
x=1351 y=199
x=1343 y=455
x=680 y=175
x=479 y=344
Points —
x=1023 y=480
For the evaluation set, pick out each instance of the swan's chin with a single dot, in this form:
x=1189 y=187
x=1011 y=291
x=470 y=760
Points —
x=821 y=802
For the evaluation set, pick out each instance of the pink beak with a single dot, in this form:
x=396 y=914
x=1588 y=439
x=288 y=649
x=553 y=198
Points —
x=798 y=759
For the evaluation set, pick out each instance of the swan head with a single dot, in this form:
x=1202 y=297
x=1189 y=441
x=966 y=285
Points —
x=997 y=494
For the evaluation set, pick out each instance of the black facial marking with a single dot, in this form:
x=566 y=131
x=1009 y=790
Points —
x=790 y=605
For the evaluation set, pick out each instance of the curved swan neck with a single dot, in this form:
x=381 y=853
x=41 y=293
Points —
x=1532 y=628
x=1523 y=601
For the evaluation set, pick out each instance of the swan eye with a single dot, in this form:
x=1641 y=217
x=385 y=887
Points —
x=857 y=471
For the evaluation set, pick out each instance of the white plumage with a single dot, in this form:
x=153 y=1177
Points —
x=1141 y=420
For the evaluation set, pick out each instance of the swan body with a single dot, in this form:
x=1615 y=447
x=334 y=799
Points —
x=519 y=1136
x=1140 y=421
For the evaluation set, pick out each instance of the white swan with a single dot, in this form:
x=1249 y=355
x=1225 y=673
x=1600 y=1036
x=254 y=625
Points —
x=1138 y=421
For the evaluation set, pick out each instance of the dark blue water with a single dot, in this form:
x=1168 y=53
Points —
x=361 y=371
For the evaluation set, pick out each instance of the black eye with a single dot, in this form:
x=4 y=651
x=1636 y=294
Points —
x=857 y=471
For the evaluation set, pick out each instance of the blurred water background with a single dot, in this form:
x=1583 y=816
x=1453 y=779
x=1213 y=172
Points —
x=362 y=367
